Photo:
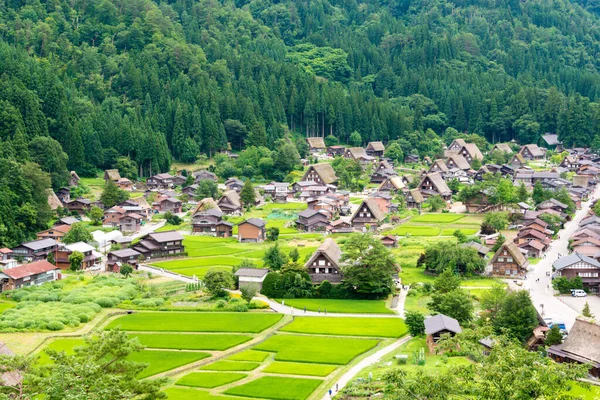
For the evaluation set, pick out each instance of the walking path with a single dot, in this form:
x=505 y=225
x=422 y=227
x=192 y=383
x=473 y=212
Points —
x=364 y=363
x=168 y=274
x=538 y=281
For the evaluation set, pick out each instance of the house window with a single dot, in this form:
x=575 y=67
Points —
x=509 y=259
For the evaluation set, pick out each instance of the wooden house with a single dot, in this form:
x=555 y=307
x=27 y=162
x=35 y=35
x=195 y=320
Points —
x=130 y=222
x=438 y=166
x=509 y=261
x=167 y=204
x=117 y=258
x=553 y=204
x=111 y=175
x=311 y=220
x=252 y=230
x=469 y=151
x=389 y=241
x=589 y=246
x=35 y=250
x=458 y=161
x=81 y=206
x=411 y=159
x=204 y=175
x=433 y=184
x=234 y=184
x=161 y=244
x=89 y=256
x=316 y=144
x=392 y=184
x=533 y=248
x=190 y=191
x=532 y=152
x=57 y=232
x=210 y=222
x=323 y=265
x=552 y=142
x=35 y=273
x=368 y=213
x=160 y=181
x=575 y=264
x=582 y=346
x=482 y=250
x=335 y=151
x=437 y=326
x=322 y=174
x=341 y=225
x=375 y=149
x=503 y=147
x=279 y=191
x=125 y=184
x=230 y=203
x=517 y=161
x=360 y=154
x=414 y=199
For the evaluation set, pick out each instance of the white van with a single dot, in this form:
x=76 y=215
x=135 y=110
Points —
x=578 y=293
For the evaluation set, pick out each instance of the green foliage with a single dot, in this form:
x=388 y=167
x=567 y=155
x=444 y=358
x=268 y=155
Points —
x=75 y=260
x=496 y=220
x=394 y=152
x=207 y=188
x=331 y=140
x=112 y=195
x=248 y=293
x=78 y=233
x=355 y=139
x=349 y=173
x=456 y=304
x=272 y=234
x=554 y=336
x=172 y=219
x=415 y=322
x=442 y=255
x=274 y=258
x=126 y=270
x=217 y=281
x=586 y=311
x=436 y=203
x=565 y=285
x=96 y=214
x=517 y=316
x=247 y=195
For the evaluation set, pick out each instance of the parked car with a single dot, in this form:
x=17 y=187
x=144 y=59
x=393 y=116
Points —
x=578 y=293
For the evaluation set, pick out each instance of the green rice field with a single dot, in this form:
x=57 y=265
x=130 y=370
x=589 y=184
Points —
x=348 y=326
x=190 y=341
x=340 y=306
x=209 y=379
x=195 y=322
x=275 y=387
x=249 y=355
x=224 y=365
x=290 y=368
x=181 y=393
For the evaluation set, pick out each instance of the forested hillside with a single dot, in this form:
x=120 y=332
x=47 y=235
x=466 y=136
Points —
x=88 y=85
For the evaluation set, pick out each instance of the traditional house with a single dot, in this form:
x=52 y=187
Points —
x=414 y=199
x=204 y=175
x=509 y=261
x=575 y=264
x=111 y=175
x=316 y=144
x=437 y=326
x=533 y=248
x=113 y=215
x=380 y=175
x=160 y=181
x=210 y=221
x=359 y=154
x=234 y=184
x=341 y=225
x=81 y=206
x=458 y=161
x=230 y=203
x=552 y=141
x=389 y=241
x=117 y=258
x=526 y=235
x=481 y=249
x=553 y=204
x=408 y=179
x=35 y=273
x=252 y=230
x=503 y=147
x=586 y=246
x=130 y=222
x=375 y=149
x=517 y=161
x=167 y=204
x=89 y=256
x=469 y=151
x=392 y=184
x=57 y=232
x=125 y=184
x=311 y=220
x=411 y=159
x=438 y=166
x=67 y=221
x=323 y=265
x=161 y=244
x=35 y=250
x=190 y=191
x=322 y=174
x=532 y=152
x=335 y=150
x=251 y=278
x=433 y=184
x=279 y=191
x=582 y=346
x=368 y=213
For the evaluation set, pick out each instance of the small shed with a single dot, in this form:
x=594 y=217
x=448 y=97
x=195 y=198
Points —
x=251 y=277
x=438 y=325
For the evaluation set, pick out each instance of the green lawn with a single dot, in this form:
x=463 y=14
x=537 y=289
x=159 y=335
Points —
x=195 y=322
x=275 y=387
x=191 y=341
x=411 y=275
x=417 y=303
x=340 y=306
x=179 y=393
x=161 y=361
x=249 y=355
x=290 y=368
x=415 y=230
x=316 y=349
x=231 y=366
x=198 y=272
x=437 y=218
x=348 y=326
x=5 y=305
x=209 y=379
x=227 y=261
x=62 y=344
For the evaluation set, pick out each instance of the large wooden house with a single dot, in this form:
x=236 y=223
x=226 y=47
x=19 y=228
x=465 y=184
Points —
x=375 y=149
x=503 y=147
x=458 y=161
x=230 y=203
x=575 y=264
x=392 y=184
x=111 y=175
x=582 y=346
x=368 y=213
x=433 y=184
x=509 y=261
x=532 y=152
x=414 y=199
x=323 y=265
x=321 y=174
x=35 y=273
x=57 y=232
x=438 y=166
x=210 y=222
x=35 y=250
x=117 y=258
x=161 y=244
x=160 y=181
x=316 y=144
x=252 y=230
x=437 y=326
x=80 y=205
x=469 y=151
x=311 y=220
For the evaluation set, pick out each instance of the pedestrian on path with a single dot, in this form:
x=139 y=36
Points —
x=336 y=387
x=325 y=311
x=283 y=302
x=304 y=309
x=330 y=392
x=319 y=310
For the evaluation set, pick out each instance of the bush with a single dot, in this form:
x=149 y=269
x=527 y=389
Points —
x=220 y=304
x=106 y=302
x=55 y=326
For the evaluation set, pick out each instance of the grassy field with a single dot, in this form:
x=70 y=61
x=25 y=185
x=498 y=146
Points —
x=316 y=349
x=289 y=368
x=275 y=387
x=195 y=322
x=341 y=306
x=231 y=366
x=249 y=355
x=417 y=303
x=209 y=379
x=191 y=341
x=348 y=326
x=438 y=218
x=180 y=393
x=5 y=305
x=434 y=225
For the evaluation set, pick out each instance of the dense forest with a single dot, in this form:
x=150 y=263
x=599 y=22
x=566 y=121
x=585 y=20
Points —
x=87 y=85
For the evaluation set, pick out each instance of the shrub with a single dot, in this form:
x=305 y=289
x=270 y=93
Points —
x=221 y=304
x=106 y=302
x=55 y=326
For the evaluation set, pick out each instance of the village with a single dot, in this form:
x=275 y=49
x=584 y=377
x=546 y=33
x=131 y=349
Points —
x=524 y=218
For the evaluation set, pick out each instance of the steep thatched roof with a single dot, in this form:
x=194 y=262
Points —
x=316 y=143
x=112 y=174
x=233 y=197
x=459 y=162
x=417 y=195
x=440 y=164
x=330 y=250
x=375 y=146
x=438 y=182
x=584 y=340
x=534 y=149
x=357 y=152
x=325 y=171
x=208 y=203
x=514 y=251
x=53 y=200
x=504 y=147
x=373 y=206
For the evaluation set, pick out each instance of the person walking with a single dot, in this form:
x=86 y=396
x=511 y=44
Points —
x=304 y=309
x=330 y=392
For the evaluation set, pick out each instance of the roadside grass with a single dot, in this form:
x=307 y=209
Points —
x=209 y=379
x=275 y=387
x=195 y=322
x=249 y=355
x=340 y=306
x=348 y=326
x=417 y=303
x=316 y=349
x=184 y=226
x=190 y=341
x=289 y=368
x=180 y=393
x=161 y=361
x=230 y=366
x=158 y=360
x=5 y=305
x=438 y=218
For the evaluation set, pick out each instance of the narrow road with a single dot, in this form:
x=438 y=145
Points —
x=167 y=274
x=541 y=291
x=364 y=363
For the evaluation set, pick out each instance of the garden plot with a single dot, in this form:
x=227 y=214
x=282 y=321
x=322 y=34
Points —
x=278 y=388
x=195 y=322
x=433 y=225
x=341 y=306
x=225 y=365
x=348 y=326
x=209 y=379
x=184 y=341
x=316 y=349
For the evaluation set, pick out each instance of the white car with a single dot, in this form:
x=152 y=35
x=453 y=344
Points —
x=578 y=293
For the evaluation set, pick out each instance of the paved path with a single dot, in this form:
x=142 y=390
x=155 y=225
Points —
x=542 y=293
x=165 y=273
x=364 y=363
